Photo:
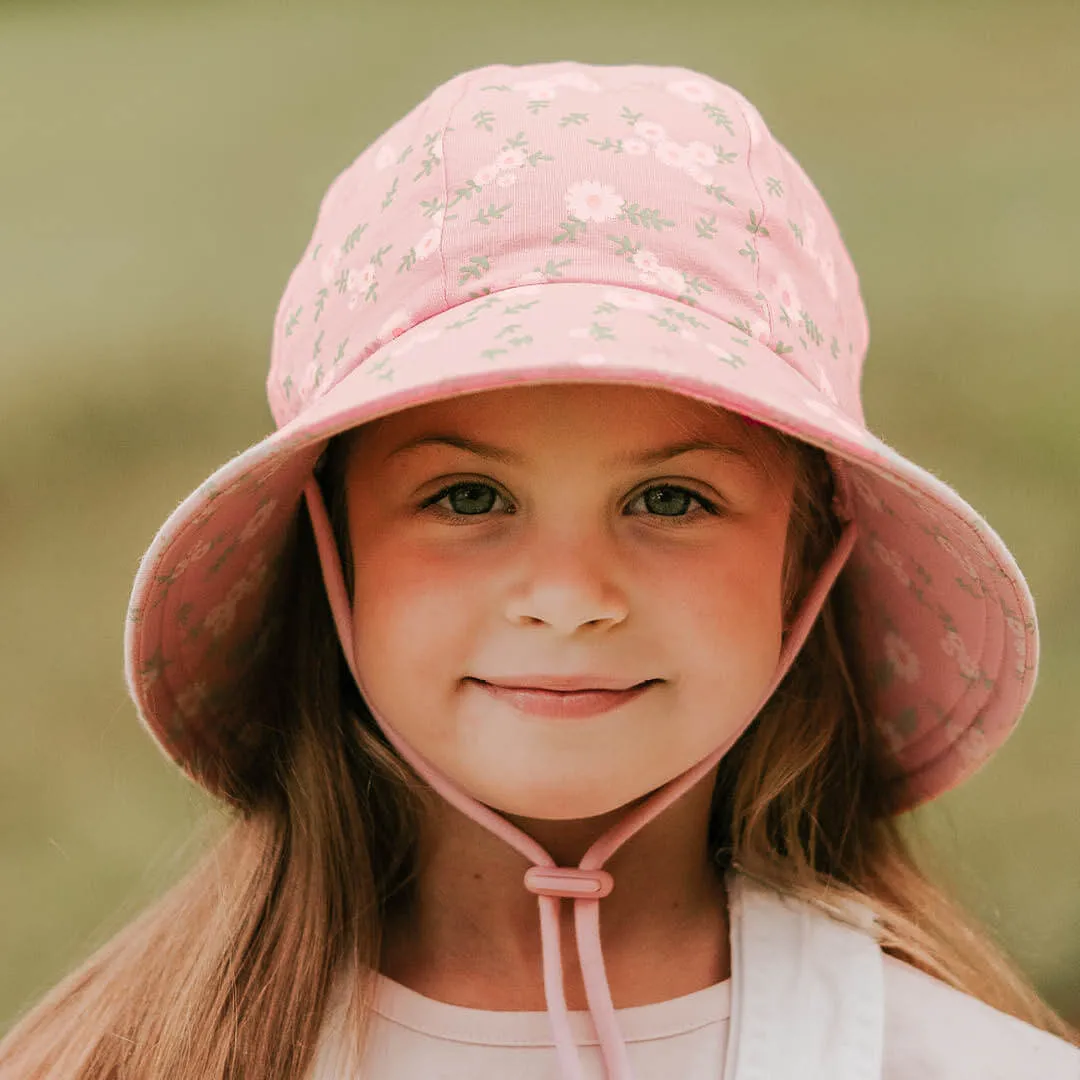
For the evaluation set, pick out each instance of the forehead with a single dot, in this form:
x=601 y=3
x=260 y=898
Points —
x=599 y=415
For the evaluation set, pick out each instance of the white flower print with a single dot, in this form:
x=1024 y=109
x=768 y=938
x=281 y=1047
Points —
x=952 y=645
x=633 y=301
x=428 y=244
x=438 y=216
x=514 y=158
x=220 y=618
x=645 y=261
x=330 y=267
x=672 y=153
x=972 y=746
x=759 y=331
x=702 y=176
x=590 y=201
x=386 y=157
x=194 y=554
x=190 y=700
x=892 y=559
x=635 y=147
x=396 y=322
x=506 y=179
x=696 y=91
x=537 y=89
x=366 y=279
x=789 y=295
x=436 y=147
x=828 y=272
x=671 y=278
x=257 y=522
x=901 y=657
x=701 y=153
x=577 y=80
x=592 y=359
x=485 y=175
x=650 y=131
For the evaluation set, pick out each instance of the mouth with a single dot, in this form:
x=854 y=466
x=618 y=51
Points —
x=572 y=704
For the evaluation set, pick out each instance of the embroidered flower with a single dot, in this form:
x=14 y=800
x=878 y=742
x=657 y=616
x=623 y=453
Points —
x=386 y=157
x=645 y=261
x=696 y=91
x=952 y=645
x=702 y=176
x=892 y=559
x=635 y=147
x=428 y=244
x=485 y=175
x=901 y=657
x=650 y=131
x=506 y=179
x=788 y=294
x=701 y=153
x=257 y=522
x=672 y=153
x=190 y=700
x=671 y=279
x=590 y=201
x=514 y=158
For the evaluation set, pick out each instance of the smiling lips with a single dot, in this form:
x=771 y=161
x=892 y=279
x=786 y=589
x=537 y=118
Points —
x=564 y=698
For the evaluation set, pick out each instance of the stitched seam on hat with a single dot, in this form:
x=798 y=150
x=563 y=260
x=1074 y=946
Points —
x=761 y=204
x=446 y=188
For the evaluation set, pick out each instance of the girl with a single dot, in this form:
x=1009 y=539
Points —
x=570 y=591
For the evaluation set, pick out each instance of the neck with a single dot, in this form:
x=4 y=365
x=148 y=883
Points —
x=470 y=934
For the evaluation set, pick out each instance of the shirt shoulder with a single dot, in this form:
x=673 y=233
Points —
x=933 y=1032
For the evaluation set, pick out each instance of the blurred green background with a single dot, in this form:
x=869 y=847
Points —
x=160 y=168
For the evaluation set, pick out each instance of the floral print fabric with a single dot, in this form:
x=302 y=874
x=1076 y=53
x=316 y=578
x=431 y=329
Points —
x=572 y=222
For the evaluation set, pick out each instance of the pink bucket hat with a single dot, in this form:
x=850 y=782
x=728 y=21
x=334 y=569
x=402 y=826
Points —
x=562 y=222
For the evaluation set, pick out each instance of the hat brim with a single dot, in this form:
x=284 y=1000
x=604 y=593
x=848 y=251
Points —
x=945 y=618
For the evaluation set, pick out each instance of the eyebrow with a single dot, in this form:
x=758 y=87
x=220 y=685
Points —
x=509 y=457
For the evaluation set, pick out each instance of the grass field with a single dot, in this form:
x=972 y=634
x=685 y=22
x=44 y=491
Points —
x=160 y=168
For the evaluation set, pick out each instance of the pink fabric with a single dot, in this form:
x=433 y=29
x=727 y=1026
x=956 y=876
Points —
x=567 y=222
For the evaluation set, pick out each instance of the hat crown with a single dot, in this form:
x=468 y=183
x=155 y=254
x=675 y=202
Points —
x=661 y=179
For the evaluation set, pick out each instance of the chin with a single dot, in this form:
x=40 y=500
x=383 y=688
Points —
x=560 y=803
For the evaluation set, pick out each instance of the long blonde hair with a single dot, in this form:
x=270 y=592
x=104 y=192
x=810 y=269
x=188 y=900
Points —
x=231 y=973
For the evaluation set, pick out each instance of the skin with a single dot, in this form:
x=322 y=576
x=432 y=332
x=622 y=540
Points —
x=565 y=562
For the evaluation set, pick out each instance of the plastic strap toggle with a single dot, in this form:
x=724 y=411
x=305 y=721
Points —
x=570 y=882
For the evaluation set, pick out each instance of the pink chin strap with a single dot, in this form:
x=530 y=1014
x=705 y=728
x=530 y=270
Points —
x=587 y=883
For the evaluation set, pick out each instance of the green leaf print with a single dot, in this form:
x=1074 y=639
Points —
x=516 y=142
x=551 y=268
x=316 y=349
x=536 y=157
x=340 y=354
x=342 y=281
x=353 y=238
x=626 y=248
x=797 y=231
x=320 y=303
x=719 y=117
x=287 y=385
x=719 y=193
x=812 y=330
x=645 y=217
x=294 y=318
x=605 y=307
x=376 y=259
x=607 y=144
x=535 y=105
x=570 y=229
x=492 y=213
x=380 y=369
x=483 y=119
x=490 y=354
x=834 y=348
x=749 y=252
x=774 y=186
x=631 y=117
x=477 y=266
x=496 y=86
x=516 y=309
x=466 y=191
x=388 y=198
x=706 y=227
x=315 y=252
x=509 y=328
x=599 y=332
x=722 y=157
x=756 y=226
x=573 y=118
x=430 y=207
x=408 y=260
x=404 y=154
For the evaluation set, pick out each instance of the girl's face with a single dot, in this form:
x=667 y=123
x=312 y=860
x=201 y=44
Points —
x=568 y=531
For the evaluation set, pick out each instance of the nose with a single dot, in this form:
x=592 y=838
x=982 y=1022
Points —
x=566 y=586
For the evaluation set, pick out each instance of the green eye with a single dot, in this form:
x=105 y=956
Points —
x=468 y=500
x=670 y=501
